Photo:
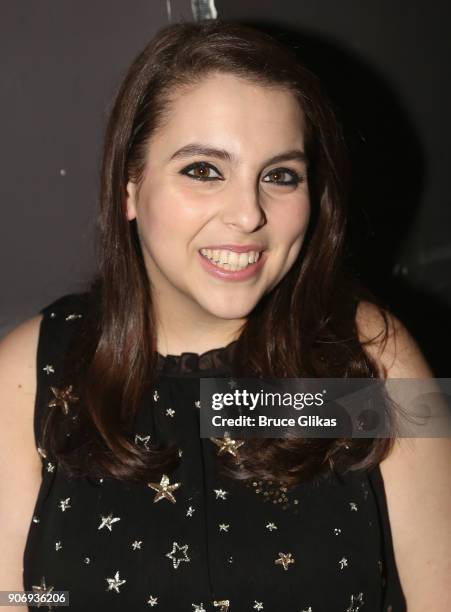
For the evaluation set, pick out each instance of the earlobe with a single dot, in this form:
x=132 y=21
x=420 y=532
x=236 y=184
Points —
x=130 y=201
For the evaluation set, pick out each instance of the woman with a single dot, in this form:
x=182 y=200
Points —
x=221 y=236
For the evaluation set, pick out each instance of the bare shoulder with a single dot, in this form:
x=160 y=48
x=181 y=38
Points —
x=18 y=351
x=20 y=464
x=387 y=340
x=416 y=475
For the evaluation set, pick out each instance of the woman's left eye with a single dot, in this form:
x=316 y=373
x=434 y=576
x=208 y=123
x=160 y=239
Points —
x=282 y=176
x=201 y=171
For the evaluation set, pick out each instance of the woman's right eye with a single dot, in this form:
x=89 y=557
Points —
x=201 y=171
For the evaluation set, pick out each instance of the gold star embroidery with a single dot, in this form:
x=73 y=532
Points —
x=72 y=316
x=164 y=489
x=357 y=603
x=223 y=605
x=62 y=398
x=107 y=521
x=115 y=583
x=227 y=445
x=284 y=559
x=220 y=493
x=144 y=440
x=42 y=589
x=174 y=556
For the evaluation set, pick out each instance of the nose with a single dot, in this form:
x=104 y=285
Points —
x=242 y=208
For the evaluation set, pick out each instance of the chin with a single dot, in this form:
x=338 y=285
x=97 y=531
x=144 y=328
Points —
x=230 y=312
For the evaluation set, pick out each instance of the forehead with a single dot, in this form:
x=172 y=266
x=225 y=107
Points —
x=234 y=113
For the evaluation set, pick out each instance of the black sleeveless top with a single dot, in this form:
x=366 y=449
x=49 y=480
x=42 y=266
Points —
x=203 y=542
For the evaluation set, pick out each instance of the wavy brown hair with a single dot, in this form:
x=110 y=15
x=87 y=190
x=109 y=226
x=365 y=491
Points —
x=304 y=327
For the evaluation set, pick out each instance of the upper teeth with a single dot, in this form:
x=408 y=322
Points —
x=230 y=258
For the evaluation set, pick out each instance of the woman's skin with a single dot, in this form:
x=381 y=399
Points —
x=177 y=214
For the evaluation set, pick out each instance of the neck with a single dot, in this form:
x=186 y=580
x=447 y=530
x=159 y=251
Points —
x=185 y=328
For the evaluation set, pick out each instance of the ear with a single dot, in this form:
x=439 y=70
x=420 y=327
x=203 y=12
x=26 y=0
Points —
x=130 y=201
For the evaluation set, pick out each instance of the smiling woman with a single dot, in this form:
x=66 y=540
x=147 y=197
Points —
x=245 y=193
x=221 y=238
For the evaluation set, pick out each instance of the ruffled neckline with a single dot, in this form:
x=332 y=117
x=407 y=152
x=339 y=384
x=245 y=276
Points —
x=216 y=359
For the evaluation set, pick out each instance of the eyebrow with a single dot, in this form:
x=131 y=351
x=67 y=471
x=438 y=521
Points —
x=192 y=149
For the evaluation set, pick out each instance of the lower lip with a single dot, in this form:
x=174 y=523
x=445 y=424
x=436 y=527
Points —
x=244 y=274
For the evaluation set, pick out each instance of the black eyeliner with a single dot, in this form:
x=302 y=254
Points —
x=194 y=165
x=296 y=178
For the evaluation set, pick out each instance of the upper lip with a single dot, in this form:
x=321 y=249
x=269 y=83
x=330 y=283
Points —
x=238 y=248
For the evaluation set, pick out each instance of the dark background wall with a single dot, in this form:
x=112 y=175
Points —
x=383 y=63
x=61 y=63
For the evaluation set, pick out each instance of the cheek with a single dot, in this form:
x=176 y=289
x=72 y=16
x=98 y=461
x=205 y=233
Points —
x=290 y=222
x=174 y=209
x=167 y=222
x=157 y=216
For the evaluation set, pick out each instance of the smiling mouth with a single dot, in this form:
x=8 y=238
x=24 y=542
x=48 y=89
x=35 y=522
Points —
x=230 y=260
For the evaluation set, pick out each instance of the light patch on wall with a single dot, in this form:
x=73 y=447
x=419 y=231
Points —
x=204 y=9
x=169 y=10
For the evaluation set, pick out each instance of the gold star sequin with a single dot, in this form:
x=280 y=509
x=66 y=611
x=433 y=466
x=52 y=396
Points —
x=220 y=493
x=143 y=440
x=174 y=554
x=107 y=521
x=73 y=316
x=356 y=603
x=42 y=589
x=227 y=445
x=271 y=526
x=164 y=489
x=115 y=583
x=65 y=504
x=284 y=559
x=63 y=397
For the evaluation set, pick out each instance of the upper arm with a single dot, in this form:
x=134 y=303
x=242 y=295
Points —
x=417 y=480
x=20 y=463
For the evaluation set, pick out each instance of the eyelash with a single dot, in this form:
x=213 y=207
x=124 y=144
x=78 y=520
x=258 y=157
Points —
x=296 y=178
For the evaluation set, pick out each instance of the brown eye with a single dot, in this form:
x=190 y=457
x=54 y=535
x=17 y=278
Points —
x=276 y=176
x=282 y=176
x=202 y=171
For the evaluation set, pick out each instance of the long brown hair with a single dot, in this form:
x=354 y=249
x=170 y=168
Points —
x=304 y=327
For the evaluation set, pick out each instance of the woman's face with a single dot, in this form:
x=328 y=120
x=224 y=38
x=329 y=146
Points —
x=226 y=173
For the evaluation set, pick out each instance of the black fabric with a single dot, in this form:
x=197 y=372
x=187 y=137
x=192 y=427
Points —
x=215 y=548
